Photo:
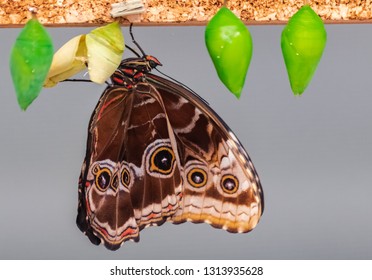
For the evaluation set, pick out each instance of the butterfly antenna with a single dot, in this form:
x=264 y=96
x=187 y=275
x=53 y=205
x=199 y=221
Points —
x=134 y=41
x=132 y=50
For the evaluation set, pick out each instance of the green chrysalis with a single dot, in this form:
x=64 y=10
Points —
x=229 y=44
x=30 y=60
x=303 y=41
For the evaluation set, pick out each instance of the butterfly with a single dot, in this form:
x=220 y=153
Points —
x=157 y=152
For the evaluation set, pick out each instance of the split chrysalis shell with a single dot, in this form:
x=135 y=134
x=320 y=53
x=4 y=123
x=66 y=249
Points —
x=105 y=47
x=303 y=42
x=69 y=60
x=100 y=50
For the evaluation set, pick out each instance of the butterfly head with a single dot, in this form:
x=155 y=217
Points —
x=152 y=61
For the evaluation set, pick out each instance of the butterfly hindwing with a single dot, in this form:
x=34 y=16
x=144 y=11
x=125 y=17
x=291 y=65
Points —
x=156 y=152
x=221 y=186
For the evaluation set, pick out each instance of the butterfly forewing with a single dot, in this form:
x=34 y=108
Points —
x=125 y=184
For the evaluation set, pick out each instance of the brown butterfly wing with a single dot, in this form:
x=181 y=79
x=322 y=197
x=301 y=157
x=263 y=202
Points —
x=130 y=177
x=157 y=152
x=220 y=184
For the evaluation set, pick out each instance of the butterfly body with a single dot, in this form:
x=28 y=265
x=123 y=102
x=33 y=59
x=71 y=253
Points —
x=157 y=152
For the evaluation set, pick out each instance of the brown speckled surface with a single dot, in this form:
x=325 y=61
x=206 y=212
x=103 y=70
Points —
x=186 y=12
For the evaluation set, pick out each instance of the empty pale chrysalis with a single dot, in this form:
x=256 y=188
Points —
x=105 y=47
x=69 y=60
x=100 y=51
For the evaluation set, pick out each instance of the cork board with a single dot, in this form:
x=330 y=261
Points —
x=181 y=12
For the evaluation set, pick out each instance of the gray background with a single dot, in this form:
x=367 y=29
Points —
x=313 y=153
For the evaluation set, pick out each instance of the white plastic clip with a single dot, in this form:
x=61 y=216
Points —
x=129 y=7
